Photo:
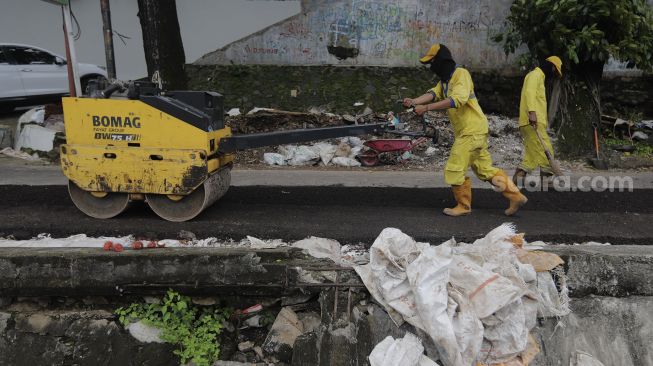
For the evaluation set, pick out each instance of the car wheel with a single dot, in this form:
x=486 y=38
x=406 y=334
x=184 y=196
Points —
x=101 y=80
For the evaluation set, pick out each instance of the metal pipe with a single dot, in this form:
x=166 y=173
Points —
x=71 y=56
x=107 y=29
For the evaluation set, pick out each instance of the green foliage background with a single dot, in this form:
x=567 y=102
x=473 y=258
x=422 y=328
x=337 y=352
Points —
x=581 y=31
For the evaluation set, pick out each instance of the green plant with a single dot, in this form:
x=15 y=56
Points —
x=193 y=329
x=641 y=149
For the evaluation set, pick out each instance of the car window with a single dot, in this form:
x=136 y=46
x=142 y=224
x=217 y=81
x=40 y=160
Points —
x=30 y=56
x=3 y=57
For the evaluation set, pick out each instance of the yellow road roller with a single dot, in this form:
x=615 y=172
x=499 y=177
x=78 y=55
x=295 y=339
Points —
x=133 y=141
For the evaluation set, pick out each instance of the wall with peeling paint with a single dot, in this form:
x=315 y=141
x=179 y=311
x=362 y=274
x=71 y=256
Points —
x=374 y=32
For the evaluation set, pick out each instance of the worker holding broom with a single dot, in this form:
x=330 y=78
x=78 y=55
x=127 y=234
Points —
x=455 y=94
x=533 y=121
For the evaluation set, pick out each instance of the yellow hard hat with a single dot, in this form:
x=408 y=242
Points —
x=557 y=62
x=432 y=52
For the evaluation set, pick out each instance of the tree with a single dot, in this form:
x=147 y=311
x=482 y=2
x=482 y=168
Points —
x=164 y=50
x=585 y=34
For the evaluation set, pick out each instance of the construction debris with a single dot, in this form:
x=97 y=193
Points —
x=285 y=330
x=477 y=302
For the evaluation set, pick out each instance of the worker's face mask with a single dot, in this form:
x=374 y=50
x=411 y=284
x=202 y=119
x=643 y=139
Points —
x=443 y=68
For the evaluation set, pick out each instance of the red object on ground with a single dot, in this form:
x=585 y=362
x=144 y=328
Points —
x=107 y=245
x=387 y=145
x=151 y=245
x=137 y=245
x=371 y=156
x=253 y=309
x=118 y=247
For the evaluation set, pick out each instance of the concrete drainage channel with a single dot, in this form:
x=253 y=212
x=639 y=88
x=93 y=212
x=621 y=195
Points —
x=61 y=302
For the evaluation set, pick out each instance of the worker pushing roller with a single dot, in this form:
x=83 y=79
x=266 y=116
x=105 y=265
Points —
x=455 y=94
x=533 y=121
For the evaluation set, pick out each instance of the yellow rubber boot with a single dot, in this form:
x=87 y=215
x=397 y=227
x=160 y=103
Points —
x=510 y=191
x=463 y=195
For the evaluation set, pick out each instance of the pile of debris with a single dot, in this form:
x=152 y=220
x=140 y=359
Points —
x=504 y=139
x=39 y=133
x=627 y=135
x=455 y=303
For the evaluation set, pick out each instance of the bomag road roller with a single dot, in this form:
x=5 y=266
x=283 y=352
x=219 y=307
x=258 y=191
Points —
x=133 y=141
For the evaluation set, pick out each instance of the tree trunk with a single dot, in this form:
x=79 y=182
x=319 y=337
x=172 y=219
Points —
x=164 y=50
x=580 y=109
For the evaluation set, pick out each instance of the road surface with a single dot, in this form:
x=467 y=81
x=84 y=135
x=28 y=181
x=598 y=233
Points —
x=348 y=214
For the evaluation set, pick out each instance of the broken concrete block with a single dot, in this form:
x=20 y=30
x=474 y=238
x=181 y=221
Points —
x=310 y=321
x=36 y=137
x=6 y=136
x=145 y=333
x=285 y=330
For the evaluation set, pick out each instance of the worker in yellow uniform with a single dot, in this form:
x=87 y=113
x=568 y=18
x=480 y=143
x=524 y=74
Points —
x=455 y=94
x=532 y=116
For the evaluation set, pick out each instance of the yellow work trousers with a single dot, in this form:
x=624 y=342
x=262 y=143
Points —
x=469 y=151
x=534 y=155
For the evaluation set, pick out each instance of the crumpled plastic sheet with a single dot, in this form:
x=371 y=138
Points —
x=584 y=359
x=406 y=351
x=343 y=154
x=477 y=301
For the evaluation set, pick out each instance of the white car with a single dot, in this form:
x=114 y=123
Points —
x=31 y=75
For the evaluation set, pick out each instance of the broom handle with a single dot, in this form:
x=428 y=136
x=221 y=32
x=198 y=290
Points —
x=546 y=150
x=596 y=142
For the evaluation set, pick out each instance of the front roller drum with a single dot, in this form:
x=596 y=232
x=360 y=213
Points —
x=184 y=208
x=101 y=205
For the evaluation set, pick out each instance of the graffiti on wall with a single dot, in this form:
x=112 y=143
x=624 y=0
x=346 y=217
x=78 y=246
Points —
x=373 y=32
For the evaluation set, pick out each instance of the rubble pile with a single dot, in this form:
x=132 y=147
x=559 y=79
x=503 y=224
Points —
x=39 y=133
x=454 y=304
x=504 y=139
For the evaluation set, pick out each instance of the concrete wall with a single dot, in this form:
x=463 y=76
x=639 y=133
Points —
x=205 y=25
x=375 y=33
x=381 y=33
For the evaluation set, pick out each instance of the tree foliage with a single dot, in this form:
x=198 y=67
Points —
x=582 y=31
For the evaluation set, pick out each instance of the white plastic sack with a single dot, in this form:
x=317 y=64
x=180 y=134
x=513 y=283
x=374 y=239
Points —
x=274 y=159
x=326 y=151
x=348 y=162
x=505 y=335
x=36 y=115
x=303 y=155
x=428 y=276
x=234 y=112
x=406 y=351
x=550 y=302
x=466 y=325
x=487 y=291
x=390 y=255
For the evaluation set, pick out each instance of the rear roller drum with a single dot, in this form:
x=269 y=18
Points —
x=101 y=205
x=183 y=208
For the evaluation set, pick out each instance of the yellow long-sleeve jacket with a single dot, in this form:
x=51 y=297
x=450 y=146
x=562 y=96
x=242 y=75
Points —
x=533 y=98
x=465 y=113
